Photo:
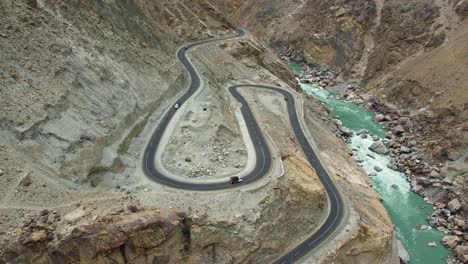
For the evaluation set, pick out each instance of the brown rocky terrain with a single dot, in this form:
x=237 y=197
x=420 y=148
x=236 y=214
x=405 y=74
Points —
x=83 y=84
x=410 y=59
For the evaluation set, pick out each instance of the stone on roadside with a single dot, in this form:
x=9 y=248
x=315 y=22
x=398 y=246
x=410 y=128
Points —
x=450 y=241
x=454 y=205
x=1 y=172
x=26 y=181
x=379 y=148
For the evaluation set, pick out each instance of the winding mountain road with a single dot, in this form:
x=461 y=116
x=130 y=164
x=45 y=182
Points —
x=263 y=156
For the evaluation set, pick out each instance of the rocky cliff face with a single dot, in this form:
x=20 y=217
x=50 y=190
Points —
x=323 y=32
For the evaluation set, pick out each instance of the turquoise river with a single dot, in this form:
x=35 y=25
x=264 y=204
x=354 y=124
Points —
x=406 y=209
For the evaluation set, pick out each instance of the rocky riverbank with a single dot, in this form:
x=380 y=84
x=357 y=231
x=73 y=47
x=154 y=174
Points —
x=406 y=146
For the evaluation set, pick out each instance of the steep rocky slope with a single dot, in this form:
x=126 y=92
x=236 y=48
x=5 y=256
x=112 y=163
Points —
x=410 y=59
x=84 y=82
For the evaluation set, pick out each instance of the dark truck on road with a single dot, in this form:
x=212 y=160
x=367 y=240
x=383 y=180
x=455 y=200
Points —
x=236 y=179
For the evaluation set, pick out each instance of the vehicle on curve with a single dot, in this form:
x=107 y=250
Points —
x=236 y=179
x=177 y=105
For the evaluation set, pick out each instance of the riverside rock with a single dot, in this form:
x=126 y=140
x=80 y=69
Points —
x=402 y=253
x=462 y=253
x=405 y=150
x=450 y=241
x=379 y=148
x=398 y=130
x=346 y=131
x=379 y=118
x=454 y=205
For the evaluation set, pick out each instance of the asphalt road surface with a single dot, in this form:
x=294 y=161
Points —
x=263 y=155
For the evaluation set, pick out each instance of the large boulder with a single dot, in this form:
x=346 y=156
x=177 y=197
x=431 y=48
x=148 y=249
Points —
x=462 y=253
x=450 y=241
x=405 y=150
x=379 y=118
x=379 y=148
x=454 y=205
x=398 y=130
x=346 y=131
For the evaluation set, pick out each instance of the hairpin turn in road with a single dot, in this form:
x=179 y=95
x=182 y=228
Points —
x=263 y=156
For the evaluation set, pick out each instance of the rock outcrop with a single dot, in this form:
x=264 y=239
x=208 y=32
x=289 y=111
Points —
x=146 y=236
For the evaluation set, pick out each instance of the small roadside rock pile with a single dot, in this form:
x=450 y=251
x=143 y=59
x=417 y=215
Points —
x=200 y=171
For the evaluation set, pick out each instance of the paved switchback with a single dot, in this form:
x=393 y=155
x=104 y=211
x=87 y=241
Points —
x=263 y=156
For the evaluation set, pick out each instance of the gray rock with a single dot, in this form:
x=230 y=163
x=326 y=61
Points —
x=375 y=138
x=377 y=168
x=346 y=131
x=373 y=174
x=26 y=181
x=418 y=188
x=379 y=148
x=389 y=135
x=363 y=135
x=434 y=174
x=454 y=205
x=337 y=122
x=362 y=131
x=379 y=118
x=405 y=150
x=398 y=130
x=402 y=253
